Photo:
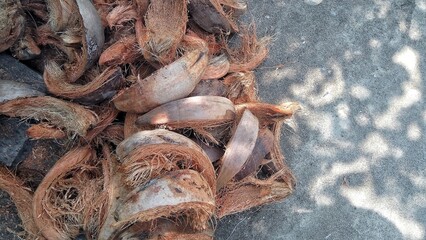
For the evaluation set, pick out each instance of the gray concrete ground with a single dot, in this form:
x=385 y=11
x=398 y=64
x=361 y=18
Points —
x=358 y=146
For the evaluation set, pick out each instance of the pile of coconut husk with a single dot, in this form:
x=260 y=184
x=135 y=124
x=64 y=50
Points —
x=164 y=131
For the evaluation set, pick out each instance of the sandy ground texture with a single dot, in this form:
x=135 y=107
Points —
x=358 y=146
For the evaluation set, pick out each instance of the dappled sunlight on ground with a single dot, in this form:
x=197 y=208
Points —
x=358 y=145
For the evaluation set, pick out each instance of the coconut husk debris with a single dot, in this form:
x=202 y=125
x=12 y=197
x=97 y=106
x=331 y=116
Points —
x=165 y=132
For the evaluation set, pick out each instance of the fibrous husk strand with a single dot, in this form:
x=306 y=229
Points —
x=70 y=116
x=23 y=199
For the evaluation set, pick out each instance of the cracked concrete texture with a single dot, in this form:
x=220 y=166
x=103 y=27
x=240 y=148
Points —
x=358 y=146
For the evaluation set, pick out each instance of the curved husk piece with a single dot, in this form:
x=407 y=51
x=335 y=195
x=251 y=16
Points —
x=73 y=117
x=148 y=154
x=269 y=113
x=214 y=152
x=182 y=195
x=211 y=87
x=252 y=192
x=239 y=148
x=209 y=15
x=263 y=146
x=235 y=7
x=83 y=29
x=165 y=23
x=23 y=200
x=217 y=68
x=169 y=83
x=12 y=23
x=198 y=111
x=124 y=51
x=45 y=131
x=65 y=192
x=241 y=87
x=97 y=90
x=251 y=52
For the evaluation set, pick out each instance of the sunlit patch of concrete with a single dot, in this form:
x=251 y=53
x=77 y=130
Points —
x=414 y=132
x=330 y=176
x=387 y=206
x=375 y=145
x=360 y=92
x=408 y=58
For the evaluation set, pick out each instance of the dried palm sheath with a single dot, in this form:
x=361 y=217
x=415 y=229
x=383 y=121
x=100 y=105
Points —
x=173 y=135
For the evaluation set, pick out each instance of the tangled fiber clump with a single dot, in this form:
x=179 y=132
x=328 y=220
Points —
x=164 y=127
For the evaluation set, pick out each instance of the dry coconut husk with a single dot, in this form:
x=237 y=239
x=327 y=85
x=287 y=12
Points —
x=241 y=87
x=70 y=116
x=169 y=83
x=45 y=131
x=165 y=25
x=25 y=48
x=251 y=51
x=206 y=115
x=238 y=149
x=148 y=154
x=100 y=87
x=74 y=23
x=124 y=51
x=23 y=199
x=217 y=68
x=251 y=192
x=66 y=193
x=12 y=23
x=179 y=196
x=209 y=15
x=211 y=87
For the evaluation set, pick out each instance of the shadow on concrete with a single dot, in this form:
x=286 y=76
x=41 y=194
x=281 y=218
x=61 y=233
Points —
x=358 y=147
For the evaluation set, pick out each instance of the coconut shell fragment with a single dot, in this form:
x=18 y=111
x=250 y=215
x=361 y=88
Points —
x=239 y=148
x=169 y=83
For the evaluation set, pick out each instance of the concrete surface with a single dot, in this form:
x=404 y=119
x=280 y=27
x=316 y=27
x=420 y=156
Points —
x=358 y=147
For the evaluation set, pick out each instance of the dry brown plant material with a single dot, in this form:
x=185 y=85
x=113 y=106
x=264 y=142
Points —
x=99 y=88
x=45 y=131
x=121 y=14
x=23 y=199
x=263 y=146
x=65 y=194
x=217 y=68
x=124 y=51
x=148 y=154
x=251 y=192
x=169 y=83
x=241 y=87
x=165 y=23
x=70 y=116
x=219 y=155
x=182 y=195
x=251 y=52
x=209 y=15
x=211 y=87
x=84 y=28
x=130 y=124
x=238 y=149
x=198 y=111
x=12 y=23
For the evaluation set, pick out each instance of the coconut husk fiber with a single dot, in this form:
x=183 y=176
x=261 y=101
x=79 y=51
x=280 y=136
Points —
x=145 y=124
